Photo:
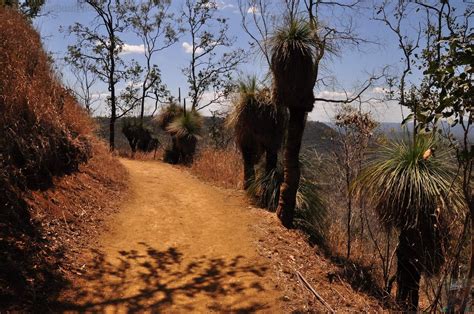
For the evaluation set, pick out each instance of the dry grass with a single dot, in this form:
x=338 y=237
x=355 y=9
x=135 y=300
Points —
x=78 y=202
x=221 y=167
x=47 y=133
x=51 y=197
x=289 y=252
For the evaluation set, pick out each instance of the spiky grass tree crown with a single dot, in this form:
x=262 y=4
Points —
x=186 y=125
x=294 y=50
x=251 y=102
x=406 y=185
x=256 y=117
x=168 y=114
x=248 y=89
x=296 y=37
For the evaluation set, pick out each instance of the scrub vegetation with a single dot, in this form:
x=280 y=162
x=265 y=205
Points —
x=386 y=217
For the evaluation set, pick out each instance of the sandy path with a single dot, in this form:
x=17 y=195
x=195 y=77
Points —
x=177 y=245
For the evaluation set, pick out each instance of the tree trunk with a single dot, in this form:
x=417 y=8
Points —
x=142 y=110
x=408 y=273
x=248 y=156
x=349 y=220
x=271 y=161
x=467 y=292
x=112 y=131
x=289 y=188
x=113 y=100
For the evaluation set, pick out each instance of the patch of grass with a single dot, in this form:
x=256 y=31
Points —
x=220 y=167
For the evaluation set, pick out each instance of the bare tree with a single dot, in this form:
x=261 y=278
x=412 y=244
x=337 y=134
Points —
x=152 y=22
x=209 y=69
x=355 y=128
x=258 y=21
x=100 y=44
x=85 y=79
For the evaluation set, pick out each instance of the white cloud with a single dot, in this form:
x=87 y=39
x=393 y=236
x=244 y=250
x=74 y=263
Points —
x=128 y=49
x=253 y=10
x=332 y=94
x=188 y=48
x=211 y=5
x=209 y=96
x=379 y=90
x=227 y=6
x=221 y=5
x=100 y=95
x=133 y=84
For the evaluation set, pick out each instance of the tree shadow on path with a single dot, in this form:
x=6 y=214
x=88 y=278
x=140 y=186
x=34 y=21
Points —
x=155 y=280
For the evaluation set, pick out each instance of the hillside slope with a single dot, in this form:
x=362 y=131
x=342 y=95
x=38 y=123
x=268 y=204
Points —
x=56 y=179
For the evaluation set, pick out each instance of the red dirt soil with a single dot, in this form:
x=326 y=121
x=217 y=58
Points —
x=181 y=245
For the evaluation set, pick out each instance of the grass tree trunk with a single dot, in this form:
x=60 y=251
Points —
x=291 y=164
x=408 y=273
x=271 y=160
x=248 y=155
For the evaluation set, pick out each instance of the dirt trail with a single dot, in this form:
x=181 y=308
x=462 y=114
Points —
x=177 y=245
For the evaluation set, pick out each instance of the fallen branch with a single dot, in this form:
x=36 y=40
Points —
x=310 y=288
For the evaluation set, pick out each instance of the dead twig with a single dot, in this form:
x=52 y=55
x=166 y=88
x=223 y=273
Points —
x=310 y=288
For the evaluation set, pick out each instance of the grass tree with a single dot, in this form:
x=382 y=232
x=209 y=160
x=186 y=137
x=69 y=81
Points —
x=293 y=67
x=259 y=127
x=184 y=128
x=413 y=192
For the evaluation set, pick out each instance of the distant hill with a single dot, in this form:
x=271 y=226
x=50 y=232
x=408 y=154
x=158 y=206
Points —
x=320 y=136
x=395 y=130
x=121 y=142
x=317 y=134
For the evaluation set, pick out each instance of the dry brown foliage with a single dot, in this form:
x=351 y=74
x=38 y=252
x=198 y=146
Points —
x=289 y=252
x=50 y=199
x=45 y=132
x=220 y=167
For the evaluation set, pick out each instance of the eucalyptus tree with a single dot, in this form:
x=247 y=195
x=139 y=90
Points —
x=85 y=79
x=355 y=130
x=213 y=61
x=29 y=8
x=448 y=65
x=155 y=25
x=101 y=44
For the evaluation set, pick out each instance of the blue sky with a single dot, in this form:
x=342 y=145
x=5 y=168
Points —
x=349 y=70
